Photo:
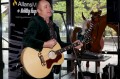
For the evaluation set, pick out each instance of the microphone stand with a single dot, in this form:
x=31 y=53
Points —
x=77 y=60
x=67 y=33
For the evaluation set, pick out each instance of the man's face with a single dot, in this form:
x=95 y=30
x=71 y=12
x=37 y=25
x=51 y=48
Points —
x=44 y=9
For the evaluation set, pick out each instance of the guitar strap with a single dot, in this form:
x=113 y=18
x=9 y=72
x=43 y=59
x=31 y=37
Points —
x=52 y=31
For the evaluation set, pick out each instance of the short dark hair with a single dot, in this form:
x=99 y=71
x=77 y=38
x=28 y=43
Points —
x=37 y=3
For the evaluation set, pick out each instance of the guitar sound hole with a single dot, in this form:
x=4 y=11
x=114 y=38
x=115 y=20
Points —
x=52 y=55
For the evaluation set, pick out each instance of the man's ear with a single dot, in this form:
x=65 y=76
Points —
x=38 y=11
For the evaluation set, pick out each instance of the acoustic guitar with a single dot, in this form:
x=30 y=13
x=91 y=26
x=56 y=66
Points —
x=38 y=64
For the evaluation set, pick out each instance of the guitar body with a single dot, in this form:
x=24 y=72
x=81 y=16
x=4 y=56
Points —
x=39 y=64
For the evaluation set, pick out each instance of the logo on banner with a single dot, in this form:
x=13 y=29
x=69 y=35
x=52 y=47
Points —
x=25 y=7
x=14 y=3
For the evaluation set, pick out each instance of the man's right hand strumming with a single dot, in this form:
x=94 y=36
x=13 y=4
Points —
x=50 y=43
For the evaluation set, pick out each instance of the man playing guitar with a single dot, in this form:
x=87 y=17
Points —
x=43 y=33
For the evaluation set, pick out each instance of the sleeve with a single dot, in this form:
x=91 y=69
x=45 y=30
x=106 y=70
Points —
x=29 y=39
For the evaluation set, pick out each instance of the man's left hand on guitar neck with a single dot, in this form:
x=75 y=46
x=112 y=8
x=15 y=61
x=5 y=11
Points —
x=79 y=46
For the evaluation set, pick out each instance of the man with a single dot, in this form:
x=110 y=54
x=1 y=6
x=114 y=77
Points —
x=43 y=33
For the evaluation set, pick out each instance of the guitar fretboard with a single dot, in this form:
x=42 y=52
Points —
x=67 y=48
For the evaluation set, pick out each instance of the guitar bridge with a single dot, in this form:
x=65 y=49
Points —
x=41 y=59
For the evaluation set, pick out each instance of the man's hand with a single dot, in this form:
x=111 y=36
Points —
x=79 y=46
x=50 y=44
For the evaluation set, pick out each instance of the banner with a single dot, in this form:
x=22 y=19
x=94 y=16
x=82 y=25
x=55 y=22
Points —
x=20 y=13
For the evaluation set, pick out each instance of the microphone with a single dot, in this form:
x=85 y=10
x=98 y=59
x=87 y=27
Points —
x=55 y=11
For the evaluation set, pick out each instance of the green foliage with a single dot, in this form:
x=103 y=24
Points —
x=80 y=6
x=109 y=31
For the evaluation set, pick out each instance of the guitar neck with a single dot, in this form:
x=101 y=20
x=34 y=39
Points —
x=67 y=48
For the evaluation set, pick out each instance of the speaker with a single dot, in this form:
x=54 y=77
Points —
x=113 y=11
